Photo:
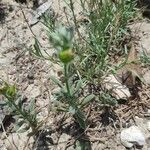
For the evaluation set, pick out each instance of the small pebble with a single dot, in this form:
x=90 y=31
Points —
x=13 y=71
x=132 y=136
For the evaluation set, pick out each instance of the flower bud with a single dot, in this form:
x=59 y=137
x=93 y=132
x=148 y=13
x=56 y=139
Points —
x=66 y=56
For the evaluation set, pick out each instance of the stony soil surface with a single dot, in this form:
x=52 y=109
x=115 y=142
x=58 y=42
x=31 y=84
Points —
x=32 y=78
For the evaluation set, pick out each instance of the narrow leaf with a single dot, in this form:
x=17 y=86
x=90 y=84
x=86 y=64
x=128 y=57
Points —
x=81 y=119
x=56 y=81
x=78 y=87
x=37 y=51
x=87 y=100
x=32 y=106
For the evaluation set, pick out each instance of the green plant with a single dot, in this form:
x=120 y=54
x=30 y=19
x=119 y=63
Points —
x=62 y=40
x=23 y=115
x=67 y=97
x=87 y=60
x=105 y=32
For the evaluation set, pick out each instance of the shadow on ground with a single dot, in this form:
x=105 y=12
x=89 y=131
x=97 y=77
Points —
x=3 y=13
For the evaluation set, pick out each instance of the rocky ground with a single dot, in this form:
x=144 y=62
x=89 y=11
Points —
x=18 y=27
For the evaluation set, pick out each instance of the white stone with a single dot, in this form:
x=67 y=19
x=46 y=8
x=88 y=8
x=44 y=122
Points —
x=40 y=10
x=132 y=136
x=118 y=90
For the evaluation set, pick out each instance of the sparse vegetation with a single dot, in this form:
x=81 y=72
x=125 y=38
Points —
x=86 y=56
x=105 y=31
x=24 y=115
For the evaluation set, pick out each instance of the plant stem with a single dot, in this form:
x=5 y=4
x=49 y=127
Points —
x=74 y=18
x=71 y=101
x=70 y=98
x=66 y=79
